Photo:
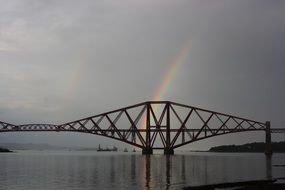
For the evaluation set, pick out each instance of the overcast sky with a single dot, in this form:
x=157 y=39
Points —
x=63 y=60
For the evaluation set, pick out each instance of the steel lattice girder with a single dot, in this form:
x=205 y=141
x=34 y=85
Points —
x=168 y=124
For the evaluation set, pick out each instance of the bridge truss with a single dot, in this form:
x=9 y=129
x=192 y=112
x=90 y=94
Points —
x=155 y=125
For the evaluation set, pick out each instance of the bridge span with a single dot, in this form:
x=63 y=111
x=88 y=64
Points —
x=156 y=125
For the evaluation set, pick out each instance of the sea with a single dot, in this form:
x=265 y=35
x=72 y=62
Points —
x=74 y=170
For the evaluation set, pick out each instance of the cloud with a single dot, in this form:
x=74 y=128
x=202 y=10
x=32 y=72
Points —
x=68 y=59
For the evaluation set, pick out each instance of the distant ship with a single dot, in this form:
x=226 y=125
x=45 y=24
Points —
x=114 y=149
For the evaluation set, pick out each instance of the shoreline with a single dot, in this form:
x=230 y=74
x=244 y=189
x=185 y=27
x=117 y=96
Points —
x=242 y=185
x=207 y=151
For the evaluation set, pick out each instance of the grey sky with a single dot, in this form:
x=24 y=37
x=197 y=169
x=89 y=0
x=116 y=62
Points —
x=63 y=60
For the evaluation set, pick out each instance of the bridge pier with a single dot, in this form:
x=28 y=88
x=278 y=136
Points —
x=168 y=151
x=268 y=147
x=147 y=151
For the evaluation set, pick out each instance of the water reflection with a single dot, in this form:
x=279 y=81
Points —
x=269 y=167
x=133 y=167
x=147 y=171
x=183 y=175
x=123 y=171
x=175 y=171
x=112 y=170
x=168 y=170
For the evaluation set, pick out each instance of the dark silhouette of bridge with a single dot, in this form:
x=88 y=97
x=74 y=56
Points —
x=156 y=125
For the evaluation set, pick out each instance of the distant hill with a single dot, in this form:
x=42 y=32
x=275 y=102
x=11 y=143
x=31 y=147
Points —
x=249 y=147
x=4 y=150
x=30 y=146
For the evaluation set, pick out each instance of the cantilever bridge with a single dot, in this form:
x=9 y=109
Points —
x=156 y=125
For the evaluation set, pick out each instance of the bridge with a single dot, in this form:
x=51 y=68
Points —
x=154 y=125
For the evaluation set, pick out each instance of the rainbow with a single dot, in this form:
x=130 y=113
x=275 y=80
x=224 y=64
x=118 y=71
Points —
x=74 y=78
x=169 y=75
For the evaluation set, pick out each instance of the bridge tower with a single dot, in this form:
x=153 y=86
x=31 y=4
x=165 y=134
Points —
x=268 y=148
x=148 y=148
x=168 y=150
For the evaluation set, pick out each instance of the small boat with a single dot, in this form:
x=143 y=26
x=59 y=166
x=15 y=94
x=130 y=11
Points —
x=115 y=149
x=125 y=150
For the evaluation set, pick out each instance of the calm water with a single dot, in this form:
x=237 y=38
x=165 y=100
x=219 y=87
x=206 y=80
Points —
x=92 y=170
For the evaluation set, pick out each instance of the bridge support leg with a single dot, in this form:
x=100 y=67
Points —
x=168 y=151
x=148 y=148
x=268 y=148
x=147 y=151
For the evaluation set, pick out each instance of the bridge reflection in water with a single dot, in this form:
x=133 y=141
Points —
x=120 y=171
x=182 y=170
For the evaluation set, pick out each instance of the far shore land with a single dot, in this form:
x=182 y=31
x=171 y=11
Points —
x=5 y=150
x=256 y=147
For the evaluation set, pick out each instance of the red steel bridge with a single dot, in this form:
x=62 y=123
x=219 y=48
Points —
x=156 y=125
